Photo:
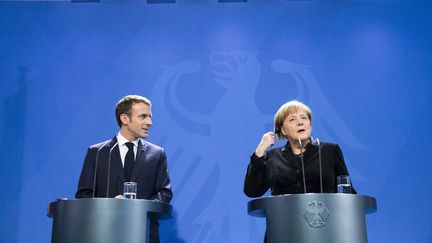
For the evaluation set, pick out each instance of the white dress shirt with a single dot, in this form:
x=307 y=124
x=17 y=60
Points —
x=124 y=149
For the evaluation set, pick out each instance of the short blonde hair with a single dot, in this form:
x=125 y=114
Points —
x=284 y=111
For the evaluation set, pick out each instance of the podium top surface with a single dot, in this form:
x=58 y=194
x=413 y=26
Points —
x=161 y=208
x=258 y=207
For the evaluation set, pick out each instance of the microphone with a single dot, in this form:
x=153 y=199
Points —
x=317 y=143
x=109 y=167
x=96 y=166
x=302 y=163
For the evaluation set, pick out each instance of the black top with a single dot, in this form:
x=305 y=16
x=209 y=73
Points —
x=281 y=171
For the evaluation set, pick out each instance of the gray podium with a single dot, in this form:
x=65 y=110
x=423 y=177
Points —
x=103 y=220
x=314 y=217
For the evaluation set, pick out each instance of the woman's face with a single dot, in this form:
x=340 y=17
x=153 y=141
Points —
x=297 y=125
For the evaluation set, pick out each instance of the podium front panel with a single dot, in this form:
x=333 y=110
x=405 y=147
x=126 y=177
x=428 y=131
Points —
x=310 y=218
x=103 y=220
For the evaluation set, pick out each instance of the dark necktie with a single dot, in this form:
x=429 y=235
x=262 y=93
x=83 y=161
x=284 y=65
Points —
x=129 y=161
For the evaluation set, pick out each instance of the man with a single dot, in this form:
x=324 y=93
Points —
x=127 y=157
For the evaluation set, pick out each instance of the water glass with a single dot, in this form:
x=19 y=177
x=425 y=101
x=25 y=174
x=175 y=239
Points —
x=130 y=190
x=343 y=184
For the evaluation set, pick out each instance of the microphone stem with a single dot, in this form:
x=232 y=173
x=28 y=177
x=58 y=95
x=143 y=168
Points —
x=320 y=166
x=109 y=168
x=304 y=180
x=96 y=167
x=317 y=142
x=302 y=163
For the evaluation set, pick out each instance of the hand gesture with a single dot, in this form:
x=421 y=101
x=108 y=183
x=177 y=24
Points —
x=267 y=140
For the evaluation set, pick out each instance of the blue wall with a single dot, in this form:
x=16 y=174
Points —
x=216 y=73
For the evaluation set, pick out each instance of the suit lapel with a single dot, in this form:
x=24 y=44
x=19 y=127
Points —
x=116 y=164
x=140 y=159
x=311 y=152
x=288 y=155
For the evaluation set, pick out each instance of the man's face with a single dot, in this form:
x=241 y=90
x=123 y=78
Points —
x=139 y=122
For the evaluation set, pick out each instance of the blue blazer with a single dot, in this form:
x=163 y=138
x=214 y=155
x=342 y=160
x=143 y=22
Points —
x=150 y=172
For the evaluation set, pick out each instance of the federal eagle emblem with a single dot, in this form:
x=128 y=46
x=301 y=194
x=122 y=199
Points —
x=316 y=214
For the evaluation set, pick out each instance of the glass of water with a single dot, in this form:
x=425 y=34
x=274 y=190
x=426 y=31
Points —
x=130 y=190
x=343 y=184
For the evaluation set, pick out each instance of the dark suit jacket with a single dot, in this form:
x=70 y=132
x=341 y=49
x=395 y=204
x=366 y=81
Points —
x=281 y=171
x=150 y=172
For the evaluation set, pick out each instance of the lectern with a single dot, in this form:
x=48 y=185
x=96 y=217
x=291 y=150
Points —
x=104 y=220
x=314 y=217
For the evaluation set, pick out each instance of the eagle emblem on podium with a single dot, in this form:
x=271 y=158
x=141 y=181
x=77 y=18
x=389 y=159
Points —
x=316 y=214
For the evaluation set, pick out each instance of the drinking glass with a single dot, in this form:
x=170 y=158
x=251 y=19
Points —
x=130 y=190
x=343 y=184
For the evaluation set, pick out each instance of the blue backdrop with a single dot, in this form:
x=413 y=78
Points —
x=216 y=74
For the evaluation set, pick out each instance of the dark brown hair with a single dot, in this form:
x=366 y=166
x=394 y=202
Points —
x=125 y=104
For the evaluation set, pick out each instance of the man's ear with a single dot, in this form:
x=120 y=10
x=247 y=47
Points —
x=124 y=119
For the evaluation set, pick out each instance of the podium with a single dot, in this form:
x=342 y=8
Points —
x=104 y=220
x=314 y=217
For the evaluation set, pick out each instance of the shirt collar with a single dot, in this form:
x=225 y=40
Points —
x=287 y=147
x=122 y=140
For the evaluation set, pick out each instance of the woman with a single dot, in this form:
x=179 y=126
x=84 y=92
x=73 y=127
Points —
x=281 y=169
